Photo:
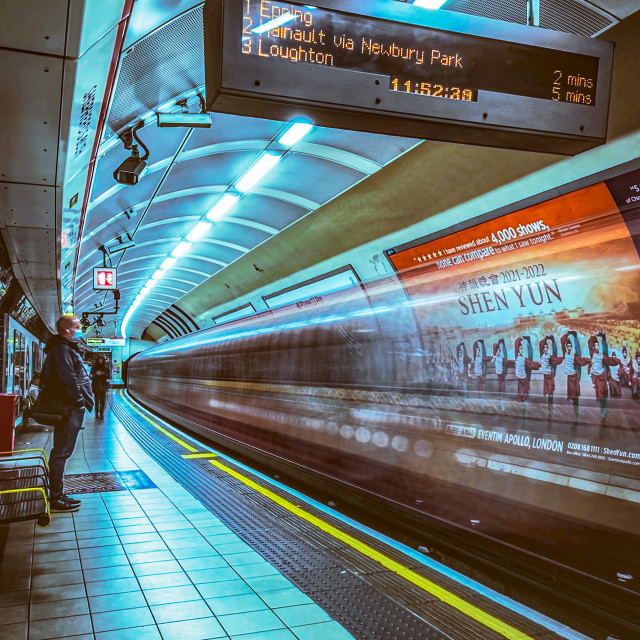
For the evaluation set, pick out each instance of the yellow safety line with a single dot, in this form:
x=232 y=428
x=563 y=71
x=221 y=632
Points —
x=167 y=433
x=437 y=591
x=193 y=456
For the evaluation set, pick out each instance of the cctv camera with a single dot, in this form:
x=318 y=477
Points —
x=130 y=171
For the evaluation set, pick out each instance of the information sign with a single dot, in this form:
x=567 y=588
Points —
x=311 y=293
x=235 y=314
x=106 y=342
x=105 y=278
x=393 y=68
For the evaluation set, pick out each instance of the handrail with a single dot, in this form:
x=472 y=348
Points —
x=42 y=451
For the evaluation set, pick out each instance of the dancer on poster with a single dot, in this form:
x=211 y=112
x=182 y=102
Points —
x=635 y=378
x=501 y=361
x=524 y=365
x=480 y=360
x=573 y=363
x=549 y=360
x=480 y=363
x=626 y=375
x=599 y=369
x=462 y=366
x=615 y=374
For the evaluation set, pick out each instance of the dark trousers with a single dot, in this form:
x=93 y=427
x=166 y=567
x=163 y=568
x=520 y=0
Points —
x=64 y=442
x=100 y=396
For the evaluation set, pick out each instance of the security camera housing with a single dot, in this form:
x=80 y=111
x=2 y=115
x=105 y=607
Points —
x=130 y=171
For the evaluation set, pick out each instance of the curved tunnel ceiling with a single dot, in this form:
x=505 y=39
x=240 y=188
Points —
x=189 y=170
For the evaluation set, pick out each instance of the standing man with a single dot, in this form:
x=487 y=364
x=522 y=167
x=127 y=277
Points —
x=600 y=362
x=572 y=368
x=100 y=384
x=64 y=377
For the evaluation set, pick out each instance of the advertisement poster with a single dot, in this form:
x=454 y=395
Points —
x=535 y=316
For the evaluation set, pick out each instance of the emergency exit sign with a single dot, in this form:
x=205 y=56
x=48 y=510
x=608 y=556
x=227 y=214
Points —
x=104 y=278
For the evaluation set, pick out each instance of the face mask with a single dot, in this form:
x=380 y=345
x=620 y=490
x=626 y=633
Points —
x=78 y=333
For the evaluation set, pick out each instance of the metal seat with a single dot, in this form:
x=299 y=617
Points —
x=24 y=486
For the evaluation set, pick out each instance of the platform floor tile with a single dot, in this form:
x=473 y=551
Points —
x=148 y=563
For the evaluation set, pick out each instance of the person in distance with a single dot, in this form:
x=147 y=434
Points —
x=100 y=384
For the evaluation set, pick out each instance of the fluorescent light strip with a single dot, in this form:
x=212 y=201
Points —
x=222 y=206
x=295 y=133
x=168 y=263
x=258 y=171
x=274 y=24
x=181 y=249
x=198 y=231
x=429 y=4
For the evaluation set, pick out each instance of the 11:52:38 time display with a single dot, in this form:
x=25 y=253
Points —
x=432 y=89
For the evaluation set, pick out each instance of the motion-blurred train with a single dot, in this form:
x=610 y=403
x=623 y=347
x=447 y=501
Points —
x=371 y=388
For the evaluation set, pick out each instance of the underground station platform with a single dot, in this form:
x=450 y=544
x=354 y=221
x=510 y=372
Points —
x=176 y=541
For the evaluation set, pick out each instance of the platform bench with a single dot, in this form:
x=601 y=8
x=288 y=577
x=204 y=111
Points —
x=24 y=486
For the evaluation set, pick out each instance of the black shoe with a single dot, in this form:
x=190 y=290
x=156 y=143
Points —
x=67 y=498
x=61 y=506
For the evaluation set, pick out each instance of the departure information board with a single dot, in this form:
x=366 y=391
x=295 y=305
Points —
x=419 y=60
x=401 y=69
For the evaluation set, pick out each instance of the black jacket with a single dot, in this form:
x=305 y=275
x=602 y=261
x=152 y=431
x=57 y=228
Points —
x=99 y=377
x=64 y=374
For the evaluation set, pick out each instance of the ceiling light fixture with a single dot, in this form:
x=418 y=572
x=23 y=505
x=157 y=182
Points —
x=222 y=206
x=258 y=171
x=168 y=263
x=198 y=231
x=429 y=4
x=181 y=249
x=295 y=133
